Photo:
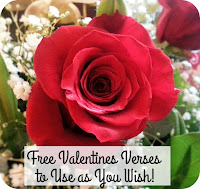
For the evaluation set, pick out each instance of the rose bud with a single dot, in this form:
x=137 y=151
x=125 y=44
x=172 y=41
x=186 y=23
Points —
x=179 y=24
x=98 y=85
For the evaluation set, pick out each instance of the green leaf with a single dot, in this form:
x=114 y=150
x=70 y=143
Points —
x=8 y=102
x=110 y=6
x=11 y=133
x=15 y=137
x=162 y=127
x=179 y=124
x=185 y=166
x=185 y=161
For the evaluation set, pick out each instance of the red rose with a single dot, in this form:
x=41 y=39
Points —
x=98 y=84
x=179 y=24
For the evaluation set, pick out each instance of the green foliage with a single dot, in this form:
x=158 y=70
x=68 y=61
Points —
x=164 y=127
x=15 y=137
x=8 y=102
x=12 y=127
x=185 y=161
x=185 y=166
x=179 y=124
x=110 y=6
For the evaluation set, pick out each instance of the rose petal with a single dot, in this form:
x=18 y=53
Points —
x=111 y=46
x=137 y=109
x=138 y=52
x=44 y=116
x=71 y=75
x=164 y=96
x=50 y=57
x=102 y=130
x=179 y=24
x=122 y=24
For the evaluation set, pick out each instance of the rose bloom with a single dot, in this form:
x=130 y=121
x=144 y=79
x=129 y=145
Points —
x=179 y=24
x=98 y=85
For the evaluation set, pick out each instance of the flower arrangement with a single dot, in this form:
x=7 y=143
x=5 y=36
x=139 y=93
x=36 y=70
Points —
x=129 y=76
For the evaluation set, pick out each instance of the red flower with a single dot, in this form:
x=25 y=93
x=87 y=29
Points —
x=179 y=24
x=98 y=84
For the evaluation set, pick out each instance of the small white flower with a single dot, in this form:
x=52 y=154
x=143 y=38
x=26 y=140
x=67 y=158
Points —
x=45 y=22
x=32 y=20
x=190 y=96
x=135 y=141
x=142 y=9
x=33 y=40
x=32 y=73
x=187 y=116
x=191 y=99
x=18 y=51
x=30 y=56
x=17 y=175
x=2 y=24
x=196 y=79
x=22 y=90
x=10 y=66
x=8 y=21
x=185 y=76
x=21 y=68
x=53 y=12
x=85 y=20
x=186 y=64
x=193 y=90
x=14 y=78
x=5 y=37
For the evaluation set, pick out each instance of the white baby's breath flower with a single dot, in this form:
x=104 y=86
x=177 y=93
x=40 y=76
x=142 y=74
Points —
x=196 y=79
x=22 y=90
x=186 y=64
x=33 y=40
x=191 y=96
x=185 y=76
x=32 y=73
x=85 y=20
x=142 y=9
x=45 y=22
x=21 y=68
x=5 y=36
x=8 y=21
x=135 y=141
x=193 y=90
x=14 y=78
x=32 y=20
x=53 y=12
x=17 y=175
x=30 y=56
x=10 y=66
x=187 y=116
x=18 y=51
x=2 y=24
x=191 y=99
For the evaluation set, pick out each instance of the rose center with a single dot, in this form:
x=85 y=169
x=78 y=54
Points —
x=100 y=86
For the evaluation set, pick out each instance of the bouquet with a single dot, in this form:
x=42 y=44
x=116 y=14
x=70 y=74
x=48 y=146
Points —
x=129 y=76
